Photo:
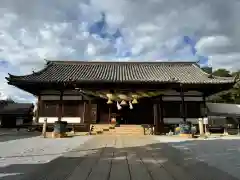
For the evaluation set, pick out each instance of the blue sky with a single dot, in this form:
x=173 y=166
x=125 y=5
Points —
x=162 y=30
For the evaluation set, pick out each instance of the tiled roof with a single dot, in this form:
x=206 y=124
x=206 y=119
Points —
x=121 y=72
x=16 y=108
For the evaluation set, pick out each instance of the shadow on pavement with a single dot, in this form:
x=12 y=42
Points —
x=9 y=136
x=156 y=157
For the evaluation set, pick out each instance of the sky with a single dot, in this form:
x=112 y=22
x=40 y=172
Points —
x=115 y=30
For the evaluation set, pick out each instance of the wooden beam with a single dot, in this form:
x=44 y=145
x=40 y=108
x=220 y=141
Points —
x=84 y=112
x=60 y=107
x=156 y=119
x=88 y=119
x=183 y=111
x=161 y=116
x=109 y=114
x=38 y=109
x=204 y=106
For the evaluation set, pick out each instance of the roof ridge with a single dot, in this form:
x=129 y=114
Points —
x=120 y=62
x=119 y=72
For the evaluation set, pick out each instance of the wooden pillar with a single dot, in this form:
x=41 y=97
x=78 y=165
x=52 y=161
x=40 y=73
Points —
x=183 y=111
x=161 y=116
x=158 y=116
x=38 y=109
x=84 y=112
x=88 y=119
x=205 y=115
x=109 y=115
x=60 y=107
x=155 y=117
x=204 y=106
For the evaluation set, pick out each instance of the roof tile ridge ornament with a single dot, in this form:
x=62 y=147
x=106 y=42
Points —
x=47 y=62
x=12 y=77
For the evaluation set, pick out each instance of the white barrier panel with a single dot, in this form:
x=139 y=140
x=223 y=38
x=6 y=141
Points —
x=72 y=120
x=53 y=119
x=49 y=119
x=178 y=120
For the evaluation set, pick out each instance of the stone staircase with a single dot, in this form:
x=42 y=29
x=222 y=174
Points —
x=107 y=129
x=127 y=130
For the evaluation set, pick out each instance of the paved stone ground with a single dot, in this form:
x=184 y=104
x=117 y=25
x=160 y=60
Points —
x=122 y=158
x=22 y=153
x=14 y=135
x=222 y=153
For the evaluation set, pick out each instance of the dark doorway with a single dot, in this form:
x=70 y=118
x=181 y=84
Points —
x=142 y=113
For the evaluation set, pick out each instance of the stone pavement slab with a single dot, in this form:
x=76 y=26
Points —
x=21 y=157
x=218 y=155
x=126 y=158
x=129 y=157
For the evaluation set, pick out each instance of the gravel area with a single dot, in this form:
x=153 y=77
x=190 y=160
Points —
x=222 y=153
x=34 y=150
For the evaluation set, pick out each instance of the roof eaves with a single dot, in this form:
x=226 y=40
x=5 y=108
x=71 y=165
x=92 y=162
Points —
x=17 y=78
x=212 y=77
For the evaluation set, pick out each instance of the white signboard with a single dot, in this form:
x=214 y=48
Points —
x=205 y=120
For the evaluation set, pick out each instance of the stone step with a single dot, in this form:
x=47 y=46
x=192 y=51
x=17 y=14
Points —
x=121 y=130
x=123 y=133
x=126 y=131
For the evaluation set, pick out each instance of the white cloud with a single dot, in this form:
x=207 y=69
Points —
x=33 y=30
x=229 y=61
x=206 y=44
x=3 y=96
x=91 y=49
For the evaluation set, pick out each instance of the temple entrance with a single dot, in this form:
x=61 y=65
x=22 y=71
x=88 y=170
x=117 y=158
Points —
x=142 y=113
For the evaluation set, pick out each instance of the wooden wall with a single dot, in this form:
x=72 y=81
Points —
x=74 y=105
x=172 y=109
x=49 y=108
x=68 y=107
x=169 y=109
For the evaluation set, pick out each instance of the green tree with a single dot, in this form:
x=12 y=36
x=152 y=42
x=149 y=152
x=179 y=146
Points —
x=222 y=73
x=232 y=95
